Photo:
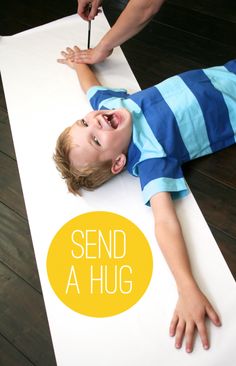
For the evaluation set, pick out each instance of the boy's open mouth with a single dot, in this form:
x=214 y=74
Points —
x=112 y=119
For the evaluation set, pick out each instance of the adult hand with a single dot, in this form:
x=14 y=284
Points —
x=85 y=12
x=190 y=314
x=92 y=55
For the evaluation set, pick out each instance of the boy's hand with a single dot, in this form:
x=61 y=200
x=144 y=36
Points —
x=191 y=311
x=69 y=56
x=85 y=74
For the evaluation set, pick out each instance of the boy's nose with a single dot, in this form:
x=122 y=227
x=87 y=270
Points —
x=96 y=123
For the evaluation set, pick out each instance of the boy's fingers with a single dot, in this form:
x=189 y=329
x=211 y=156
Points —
x=179 y=334
x=61 y=61
x=189 y=333
x=76 y=48
x=213 y=316
x=201 y=326
x=173 y=325
x=69 y=50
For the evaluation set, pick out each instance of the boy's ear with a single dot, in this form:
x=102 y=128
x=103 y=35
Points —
x=118 y=164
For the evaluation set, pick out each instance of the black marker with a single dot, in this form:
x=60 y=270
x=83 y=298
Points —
x=89 y=33
x=89 y=25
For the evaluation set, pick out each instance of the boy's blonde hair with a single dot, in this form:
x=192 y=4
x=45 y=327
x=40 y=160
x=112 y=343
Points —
x=88 y=178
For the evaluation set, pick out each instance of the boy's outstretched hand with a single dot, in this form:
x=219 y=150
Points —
x=192 y=307
x=86 y=76
x=190 y=314
x=69 y=56
x=77 y=56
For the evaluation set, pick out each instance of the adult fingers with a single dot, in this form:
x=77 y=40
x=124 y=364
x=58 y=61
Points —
x=82 y=9
x=93 y=12
x=83 y=57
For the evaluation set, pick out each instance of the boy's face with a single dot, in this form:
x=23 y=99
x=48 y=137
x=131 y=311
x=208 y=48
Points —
x=100 y=136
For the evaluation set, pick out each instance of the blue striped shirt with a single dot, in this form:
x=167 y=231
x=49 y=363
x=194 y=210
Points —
x=182 y=118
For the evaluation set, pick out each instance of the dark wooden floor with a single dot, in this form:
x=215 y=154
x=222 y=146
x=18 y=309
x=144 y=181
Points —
x=184 y=35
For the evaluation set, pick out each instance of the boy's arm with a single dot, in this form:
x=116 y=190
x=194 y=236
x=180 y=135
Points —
x=86 y=76
x=192 y=306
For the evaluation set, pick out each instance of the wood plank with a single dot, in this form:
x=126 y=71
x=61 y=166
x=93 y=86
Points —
x=220 y=9
x=10 y=187
x=158 y=67
x=2 y=97
x=16 y=250
x=227 y=246
x=217 y=202
x=10 y=356
x=23 y=319
x=26 y=16
x=150 y=62
x=3 y=116
x=61 y=8
x=6 y=144
x=179 y=42
x=7 y=29
x=219 y=166
x=160 y=43
x=203 y=25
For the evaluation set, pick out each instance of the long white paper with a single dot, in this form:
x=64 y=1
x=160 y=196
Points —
x=43 y=97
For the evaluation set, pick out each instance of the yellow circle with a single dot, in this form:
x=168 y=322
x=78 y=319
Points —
x=99 y=264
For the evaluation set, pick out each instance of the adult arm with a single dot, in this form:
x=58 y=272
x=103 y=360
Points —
x=192 y=307
x=86 y=76
x=132 y=20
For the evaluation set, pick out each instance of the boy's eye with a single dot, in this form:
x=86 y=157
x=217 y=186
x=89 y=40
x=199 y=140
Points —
x=96 y=141
x=84 y=123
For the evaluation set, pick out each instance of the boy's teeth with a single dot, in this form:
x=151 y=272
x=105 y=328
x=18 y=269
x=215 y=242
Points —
x=111 y=120
x=108 y=120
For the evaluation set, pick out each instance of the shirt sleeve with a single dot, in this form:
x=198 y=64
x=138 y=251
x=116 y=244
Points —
x=99 y=94
x=162 y=175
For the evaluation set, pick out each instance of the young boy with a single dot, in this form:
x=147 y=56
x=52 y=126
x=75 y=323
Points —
x=152 y=133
